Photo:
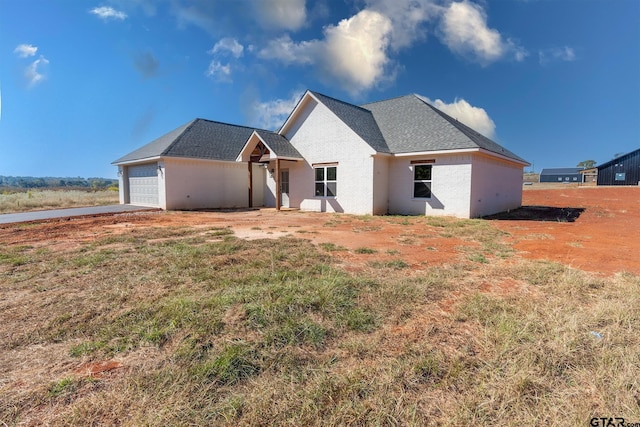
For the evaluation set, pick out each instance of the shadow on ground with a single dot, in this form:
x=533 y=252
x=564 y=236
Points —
x=539 y=213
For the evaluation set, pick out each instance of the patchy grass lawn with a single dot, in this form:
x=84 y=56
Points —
x=33 y=200
x=193 y=326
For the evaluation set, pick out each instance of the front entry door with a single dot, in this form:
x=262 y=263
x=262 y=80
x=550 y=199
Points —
x=284 y=188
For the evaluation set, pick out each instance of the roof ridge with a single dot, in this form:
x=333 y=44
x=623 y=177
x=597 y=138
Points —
x=337 y=100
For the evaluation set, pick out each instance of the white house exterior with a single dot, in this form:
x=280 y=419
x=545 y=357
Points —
x=192 y=167
x=399 y=156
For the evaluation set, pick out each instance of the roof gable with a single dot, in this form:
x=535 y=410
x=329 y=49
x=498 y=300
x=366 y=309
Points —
x=410 y=124
x=359 y=119
x=278 y=144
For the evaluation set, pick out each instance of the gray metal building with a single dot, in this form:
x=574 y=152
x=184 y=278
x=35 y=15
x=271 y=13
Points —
x=623 y=170
x=561 y=175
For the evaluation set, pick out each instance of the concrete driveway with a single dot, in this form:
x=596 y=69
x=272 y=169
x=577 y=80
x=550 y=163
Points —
x=71 y=212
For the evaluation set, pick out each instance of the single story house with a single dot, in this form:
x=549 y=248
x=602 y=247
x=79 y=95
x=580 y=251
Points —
x=399 y=156
x=623 y=170
x=561 y=175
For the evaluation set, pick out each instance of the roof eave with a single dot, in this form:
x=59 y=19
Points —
x=461 y=151
x=135 y=161
x=504 y=157
x=435 y=152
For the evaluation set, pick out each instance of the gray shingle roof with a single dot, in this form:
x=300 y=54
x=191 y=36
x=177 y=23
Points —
x=360 y=120
x=279 y=144
x=560 y=171
x=399 y=125
x=199 y=139
x=410 y=124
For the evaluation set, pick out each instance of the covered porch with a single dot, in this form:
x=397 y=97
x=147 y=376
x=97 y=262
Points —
x=274 y=155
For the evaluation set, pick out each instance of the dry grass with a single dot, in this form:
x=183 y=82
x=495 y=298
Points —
x=208 y=329
x=33 y=200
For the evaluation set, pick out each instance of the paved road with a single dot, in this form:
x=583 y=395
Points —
x=71 y=212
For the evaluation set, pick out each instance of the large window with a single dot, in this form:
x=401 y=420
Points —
x=326 y=180
x=422 y=181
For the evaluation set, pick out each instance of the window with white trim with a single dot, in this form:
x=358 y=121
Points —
x=422 y=181
x=326 y=181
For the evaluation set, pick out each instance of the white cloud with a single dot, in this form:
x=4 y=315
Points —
x=33 y=73
x=230 y=45
x=556 y=54
x=281 y=14
x=357 y=53
x=107 y=12
x=464 y=30
x=354 y=52
x=289 y=52
x=407 y=18
x=272 y=114
x=474 y=117
x=25 y=50
x=219 y=72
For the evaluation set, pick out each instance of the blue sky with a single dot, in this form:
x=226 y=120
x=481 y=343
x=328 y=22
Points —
x=85 y=82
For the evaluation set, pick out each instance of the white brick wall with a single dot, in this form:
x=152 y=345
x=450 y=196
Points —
x=451 y=185
x=322 y=138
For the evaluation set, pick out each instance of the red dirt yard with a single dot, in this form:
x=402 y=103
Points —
x=603 y=239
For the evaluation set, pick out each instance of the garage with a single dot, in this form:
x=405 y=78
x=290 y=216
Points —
x=143 y=184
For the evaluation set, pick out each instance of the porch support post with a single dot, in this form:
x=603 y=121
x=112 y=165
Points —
x=250 y=184
x=278 y=189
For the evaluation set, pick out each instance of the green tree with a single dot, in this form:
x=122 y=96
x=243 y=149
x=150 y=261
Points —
x=586 y=164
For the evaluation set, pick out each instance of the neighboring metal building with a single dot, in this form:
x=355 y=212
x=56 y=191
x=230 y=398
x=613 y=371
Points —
x=589 y=176
x=623 y=170
x=561 y=175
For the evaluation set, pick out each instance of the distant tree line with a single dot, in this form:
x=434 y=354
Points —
x=28 y=182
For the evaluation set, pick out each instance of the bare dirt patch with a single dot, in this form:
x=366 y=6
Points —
x=592 y=228
x=406 y=238
x=603 y=237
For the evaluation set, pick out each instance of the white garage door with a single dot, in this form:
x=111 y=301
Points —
x=143 y=184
